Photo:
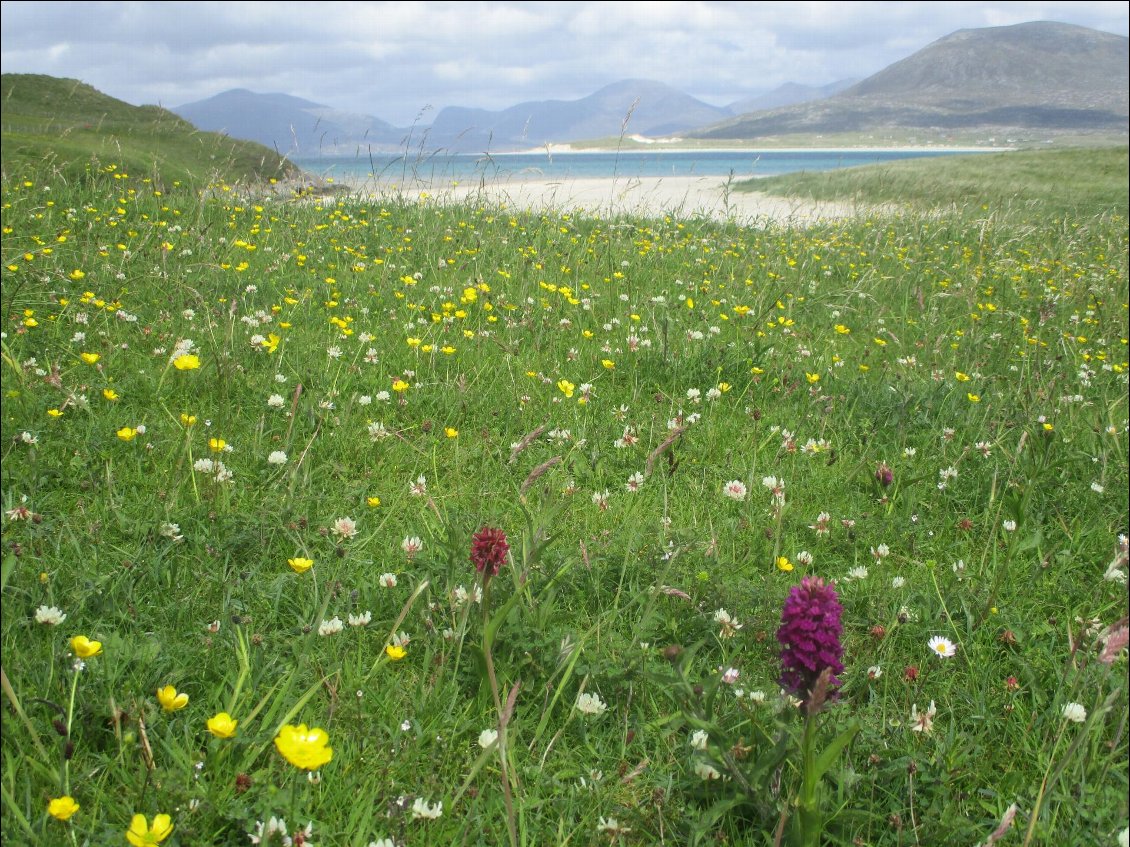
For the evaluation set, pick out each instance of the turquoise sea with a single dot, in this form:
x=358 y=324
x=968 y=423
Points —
x=742 y=164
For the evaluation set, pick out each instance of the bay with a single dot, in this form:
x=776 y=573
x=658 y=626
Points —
x=547 y=165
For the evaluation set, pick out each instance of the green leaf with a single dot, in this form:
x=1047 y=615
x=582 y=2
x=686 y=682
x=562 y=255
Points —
x=832 y=752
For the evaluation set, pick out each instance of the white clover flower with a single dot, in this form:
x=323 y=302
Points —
x=591 y=704
x=276 y=401
x=277 y=457
x=1075 y=712
x=487 y=738
x=706 y=771
x=49 y=615
x=387 y=580
x=421 y=808
x=699 y=739
x=735 y=490
x=331 y=627
x=362 y=619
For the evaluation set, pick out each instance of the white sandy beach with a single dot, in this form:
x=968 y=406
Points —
x=681 y=197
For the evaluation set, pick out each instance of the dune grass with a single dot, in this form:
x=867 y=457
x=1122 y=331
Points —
x=248 y=441
x=1081 y=182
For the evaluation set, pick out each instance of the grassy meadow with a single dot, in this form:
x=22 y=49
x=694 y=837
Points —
x=248 y=441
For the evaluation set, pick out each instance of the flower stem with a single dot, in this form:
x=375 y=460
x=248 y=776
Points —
x=488 y=641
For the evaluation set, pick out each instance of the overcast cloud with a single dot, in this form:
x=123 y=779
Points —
x=394 y=59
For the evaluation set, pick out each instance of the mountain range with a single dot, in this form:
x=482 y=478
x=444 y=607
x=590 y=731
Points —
x=1040 y=75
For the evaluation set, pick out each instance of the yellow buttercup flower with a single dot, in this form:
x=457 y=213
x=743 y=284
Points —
x=170 y=699
x=110 y=394
x=62 y=808
x=216 y=445
x=565 y=387
x=300 y=565
x=90 y=358
x=450 y=431
x=127 y=433
x=186 y=362
x=187 y=420
x=400 y=386
x=395 y=652
x=84 y=648
x=141 y=834
x=304 y=748
x=783 y=564
x=222 y=725
x=373 y=502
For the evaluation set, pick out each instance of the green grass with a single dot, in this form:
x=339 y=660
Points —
x=1050 y=183
x=544 y=361
x=69 y=127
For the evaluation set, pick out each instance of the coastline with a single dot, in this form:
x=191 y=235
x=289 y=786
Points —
x=652 y=197
x=553 y=149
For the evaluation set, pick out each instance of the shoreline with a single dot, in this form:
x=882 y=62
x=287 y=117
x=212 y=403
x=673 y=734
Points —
x=554 y=149
x=650 y=197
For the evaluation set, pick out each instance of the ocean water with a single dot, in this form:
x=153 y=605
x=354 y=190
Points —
x=743 y=164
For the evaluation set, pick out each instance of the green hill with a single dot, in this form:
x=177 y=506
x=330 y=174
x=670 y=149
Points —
x=67 y=126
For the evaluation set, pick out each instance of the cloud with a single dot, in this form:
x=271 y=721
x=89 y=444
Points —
x=391 y=59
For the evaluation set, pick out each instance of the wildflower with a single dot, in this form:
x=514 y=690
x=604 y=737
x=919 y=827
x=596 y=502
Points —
x=809 y=636
x=62 y=808
x=344 y=528
x=591 y=704
x=566 y=387
x=141 y=834
x=170 y=699
x=488 y=551
x=395 y=652
x=170 y=531
x=265 y=832
x=804 y=558
x=1075 y=712
x=858 y=572
x=411 y=545
x=635 y=482
x=186 y=362
x=372 y=502
x=110 y=394
x=222 y=725
x=600 y=499
x=90 y=358
x=729 y=624
x=387 y=580
x=487 y=738
x=884 y=475
x=881 y=552
x=783 y=564
x=299 y=564
x=331 y=627
x=49 y=615
x=922 y=722
x=611 y=827
x=941 y=646
x=735 y=490
x=277 y=457
x=362 y=619
x=304 y=748
x=874 y=672
x=421 y=808
x=127 y=433
x=730 y=676
x=84 y=648
x=705 y=771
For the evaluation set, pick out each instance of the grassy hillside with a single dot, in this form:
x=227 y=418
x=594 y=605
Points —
x=1053 y=182
x=65 y=125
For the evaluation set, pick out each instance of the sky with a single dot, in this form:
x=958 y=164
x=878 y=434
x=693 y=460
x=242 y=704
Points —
x=402 y=61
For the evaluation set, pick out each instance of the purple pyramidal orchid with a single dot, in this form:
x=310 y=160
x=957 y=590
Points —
x=488 y=551
x=810 y=637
